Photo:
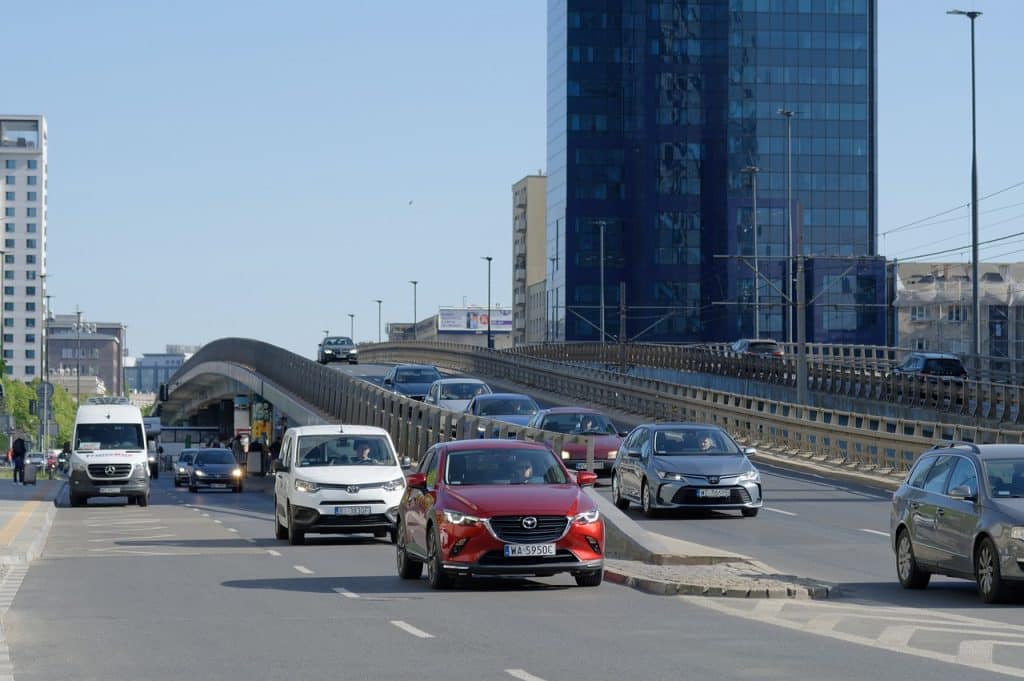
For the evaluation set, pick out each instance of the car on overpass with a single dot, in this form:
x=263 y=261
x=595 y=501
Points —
x=498 y=507
x=932 y=367
x=960 y=513
x=511 y=408
x=759 y=347
x=589 y=423
x=337 y=349
x=454 y=394
x=685 y=466
x=411 y=380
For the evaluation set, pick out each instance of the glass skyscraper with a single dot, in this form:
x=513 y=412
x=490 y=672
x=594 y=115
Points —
x=654 y=111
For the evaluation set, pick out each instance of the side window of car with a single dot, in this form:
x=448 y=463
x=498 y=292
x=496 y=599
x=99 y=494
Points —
x=936 y=480
x=917 y=475
x=425 y=461
x=963 y=475
x=432 y=470
x=286 y=457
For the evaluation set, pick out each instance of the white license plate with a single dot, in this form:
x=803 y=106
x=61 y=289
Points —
x=351 y=510
x=714 y=493
x=512 y=550
x=598 y=466
x=218 y=485
x=110 y=490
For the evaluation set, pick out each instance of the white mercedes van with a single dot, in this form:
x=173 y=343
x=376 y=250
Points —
x=108 y=453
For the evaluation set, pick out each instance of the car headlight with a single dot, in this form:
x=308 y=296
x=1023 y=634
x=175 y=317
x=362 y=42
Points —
x=392 y=485
x=566 y=455
x=1017 y=533
x=586 y=517
x=306 y=486
x=181 y=470
x=199 y=473
x=237 y=473
x=152 y=458
x=666 y=475
x=78 y=466
x=353 y=351
x=141 y=468
x=752 y=475
x=456 y=518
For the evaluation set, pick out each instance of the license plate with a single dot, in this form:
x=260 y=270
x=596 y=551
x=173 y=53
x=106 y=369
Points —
x=714 y=493
x=351 y=510
x=598 y=465
x=110 y=490
x=218 y=485
x=512 y=550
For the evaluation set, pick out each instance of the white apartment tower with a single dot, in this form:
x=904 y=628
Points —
x=23 y=209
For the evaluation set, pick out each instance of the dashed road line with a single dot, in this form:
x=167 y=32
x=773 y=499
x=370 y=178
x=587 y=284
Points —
x=273 y=552
x=878 y=532
x=231 y=529
x=342 y=591
x=779 y=510
x=219 y=522
x=303 y=569
x=250 y=540
x=409 y=629
x=522 y=674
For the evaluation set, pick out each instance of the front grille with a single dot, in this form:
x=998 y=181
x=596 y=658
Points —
x=499 y=558
x=120 y=470
x=510 y=528
x=688 y=495
x=367 y=502
x=330 y=520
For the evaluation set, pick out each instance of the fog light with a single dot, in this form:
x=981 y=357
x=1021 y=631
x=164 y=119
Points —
x=458 y=546
x=594 y=545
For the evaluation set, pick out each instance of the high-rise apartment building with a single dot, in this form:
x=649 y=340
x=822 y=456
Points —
x=655 y=110
x=23 y=205
x=529 y=261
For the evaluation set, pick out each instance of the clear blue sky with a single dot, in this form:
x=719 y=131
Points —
x=246 y=168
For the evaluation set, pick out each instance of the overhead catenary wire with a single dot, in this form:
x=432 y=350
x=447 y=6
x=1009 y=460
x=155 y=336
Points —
x=913 y=223
x=963 y=248
x=955 y=236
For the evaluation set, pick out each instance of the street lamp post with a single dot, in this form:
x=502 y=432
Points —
x=790 y=246
x=753 y=171
x=413 y=282
x=78 y=357
x=352 y=327
x=378 y=301
x=44 y=345
x=975 y=302
x=490 y=339
x=602 y=224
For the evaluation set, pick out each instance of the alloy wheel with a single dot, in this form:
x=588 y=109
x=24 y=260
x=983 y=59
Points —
x=904 y=557
x=986 y=569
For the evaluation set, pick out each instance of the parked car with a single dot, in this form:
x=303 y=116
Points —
x=336 y=479
x=454 y=394
x=685 y=465
x=762 y=347
x=337 y=349
x=932 y=366
x=215 y=469
x=498 y=507
x=960 y=513
x=411 y=380
x=582 y=421
x=183 y=468
x=508 y=407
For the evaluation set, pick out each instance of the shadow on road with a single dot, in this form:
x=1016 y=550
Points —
x=388 y=585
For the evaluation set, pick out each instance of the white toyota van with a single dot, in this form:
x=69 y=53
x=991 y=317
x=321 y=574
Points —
x=108 y=455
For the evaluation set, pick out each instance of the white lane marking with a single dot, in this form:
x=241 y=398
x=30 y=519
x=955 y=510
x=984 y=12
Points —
x=273 y=552
x=133 y=537
x=303 y=569
x=342 y=591
x=897 y=636
x=231 y=529
x=409 y=629
x=778 y=510
x=219 y=522
x=250 y=540
x=206 y=515
x=522 y=674
x=883 y=534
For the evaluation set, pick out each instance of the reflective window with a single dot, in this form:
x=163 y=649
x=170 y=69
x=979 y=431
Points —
x=9 y=196
x=33 y=164
x=10 y=164
x=32 y=180
x=936 y=479
x=963 y=475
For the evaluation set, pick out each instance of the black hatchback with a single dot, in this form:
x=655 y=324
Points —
x=215 y=469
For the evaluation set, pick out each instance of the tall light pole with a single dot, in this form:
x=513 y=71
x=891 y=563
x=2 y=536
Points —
x=413 y=282
x=975 y=302
x=753 y=171
x=602 y=224
x=790 y=246
x=490 y=339
x=78 y=357
x=352 y=327
x=46 y=377
x=378 y=301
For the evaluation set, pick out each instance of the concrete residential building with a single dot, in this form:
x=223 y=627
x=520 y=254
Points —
x=93 y=349
x=529 y=259
x=23 y=207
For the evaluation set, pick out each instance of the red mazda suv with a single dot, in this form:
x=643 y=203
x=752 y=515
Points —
x=498 y=507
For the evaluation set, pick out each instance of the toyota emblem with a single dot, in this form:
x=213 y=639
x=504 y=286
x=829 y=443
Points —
x=713 y=480
x=529 y=523
x=352 y=489
x=110 y=470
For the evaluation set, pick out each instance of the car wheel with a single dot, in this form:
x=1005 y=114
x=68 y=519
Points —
x=296 y=537
x=593 y=578
x=991 y=586
x=435 y=574
x=131 y=501
x=620 y=501
x=749 y=512
x=911 y=576
x=280 y=531
x=408 y=567
x=645 y=501
x=177 y=483
x=193 y=489
x=76 y=500
x=393 y=535
x=237 y=489
x=142 y=500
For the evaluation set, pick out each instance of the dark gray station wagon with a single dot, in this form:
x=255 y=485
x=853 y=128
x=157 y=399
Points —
x=960 y=513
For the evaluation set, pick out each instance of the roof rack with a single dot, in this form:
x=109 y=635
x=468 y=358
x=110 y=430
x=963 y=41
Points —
x=958 y=443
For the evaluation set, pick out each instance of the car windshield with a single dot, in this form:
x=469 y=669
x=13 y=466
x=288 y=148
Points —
x=462 y=391
x=344 y=450
x=338 y=340
x=1005 y=478
x=507 y=405
x=579 y=423
x=504 y=467
x=943 y=367
x=215 y=456
x=96 y=436
x=693 y=442
x=416 y=375
x=186 y=457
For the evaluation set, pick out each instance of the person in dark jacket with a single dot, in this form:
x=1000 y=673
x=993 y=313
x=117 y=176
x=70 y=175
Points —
x=18 y=457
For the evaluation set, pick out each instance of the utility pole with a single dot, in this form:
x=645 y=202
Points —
x=790 y=250
x=413 y=282
x=490 y=339
x=622 y=326
x=78 y=357
x=378 y=301
x=352 y=327
x=602 y=224
x=43 y=366
x=753 y=171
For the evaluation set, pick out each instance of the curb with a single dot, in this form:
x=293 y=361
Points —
x=38 y=541
x=659 y=587
x=829 y=471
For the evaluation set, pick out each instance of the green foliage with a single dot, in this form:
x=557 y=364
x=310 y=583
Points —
x=17 y=396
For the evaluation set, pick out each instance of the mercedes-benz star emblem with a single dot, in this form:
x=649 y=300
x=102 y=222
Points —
x=713 y=480
x=529 y=523
x=352 y=489
x=110 y=470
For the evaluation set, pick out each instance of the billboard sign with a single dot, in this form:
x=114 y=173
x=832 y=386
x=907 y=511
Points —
x=474 y=319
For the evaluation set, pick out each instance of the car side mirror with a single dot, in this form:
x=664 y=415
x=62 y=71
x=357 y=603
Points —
x=749 y=451
x=278 y=467
x=622 y=433
x=405 y=462
x=586 y=478
x=964 y=493
x=416 y=481
x=633 y=453
x=387 y=381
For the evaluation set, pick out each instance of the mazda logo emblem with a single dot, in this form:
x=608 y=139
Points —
x=529 y=523
x=110 y=470
x=713 y=480
x=352 y=489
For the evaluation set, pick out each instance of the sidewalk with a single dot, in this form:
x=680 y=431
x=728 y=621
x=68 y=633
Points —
x=26 y=513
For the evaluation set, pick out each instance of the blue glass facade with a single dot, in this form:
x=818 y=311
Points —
x=654 y=109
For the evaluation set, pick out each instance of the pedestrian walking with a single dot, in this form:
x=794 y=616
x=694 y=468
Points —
x=18 y=457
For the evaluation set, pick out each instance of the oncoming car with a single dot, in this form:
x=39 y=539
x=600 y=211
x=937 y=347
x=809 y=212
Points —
x=183 y=467
x=215 y=469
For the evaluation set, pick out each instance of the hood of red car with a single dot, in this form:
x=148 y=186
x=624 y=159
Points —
x=492 y=500
x=603 y=444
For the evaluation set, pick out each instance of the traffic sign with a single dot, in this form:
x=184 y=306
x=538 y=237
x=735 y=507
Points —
x=44 y=390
